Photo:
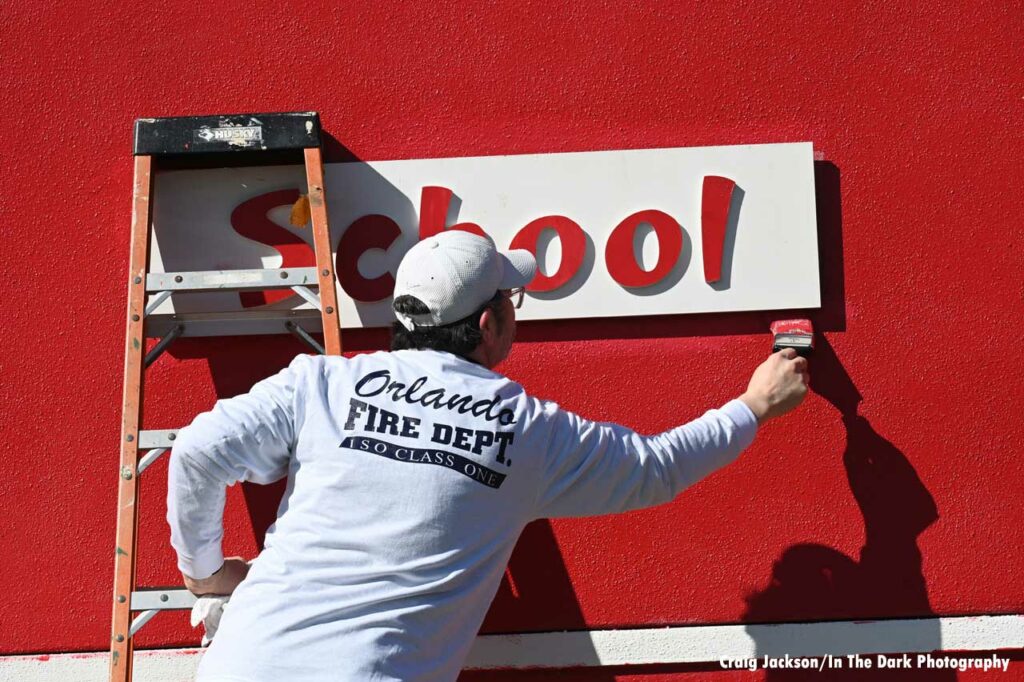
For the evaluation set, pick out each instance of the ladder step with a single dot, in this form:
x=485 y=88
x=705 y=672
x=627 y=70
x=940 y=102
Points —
x=219 y=280
x=162 y=599
x=157 y=438
x=234 y=323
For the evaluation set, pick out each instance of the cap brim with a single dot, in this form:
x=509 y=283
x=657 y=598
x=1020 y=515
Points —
x=519 y=268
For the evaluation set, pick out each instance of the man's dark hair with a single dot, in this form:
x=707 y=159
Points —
x=460 y=337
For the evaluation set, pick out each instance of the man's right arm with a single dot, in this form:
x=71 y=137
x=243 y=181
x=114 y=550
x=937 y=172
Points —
x=598 y=468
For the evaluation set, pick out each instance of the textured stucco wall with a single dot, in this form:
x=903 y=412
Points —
x=914 y=114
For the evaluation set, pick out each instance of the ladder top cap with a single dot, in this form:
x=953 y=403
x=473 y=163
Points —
x=227 y=133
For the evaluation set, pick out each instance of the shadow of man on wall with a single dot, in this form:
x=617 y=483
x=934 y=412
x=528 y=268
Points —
x=812 y=582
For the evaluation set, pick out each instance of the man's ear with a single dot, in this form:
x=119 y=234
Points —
x=489 y=326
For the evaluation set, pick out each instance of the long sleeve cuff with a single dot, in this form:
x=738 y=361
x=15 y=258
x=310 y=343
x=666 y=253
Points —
x=204 y=564
x=745 y=421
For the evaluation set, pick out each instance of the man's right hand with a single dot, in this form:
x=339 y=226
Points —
x=223 y=582
x=777 y=386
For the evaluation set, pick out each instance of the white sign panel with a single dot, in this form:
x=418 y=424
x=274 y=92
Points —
x=639 y=232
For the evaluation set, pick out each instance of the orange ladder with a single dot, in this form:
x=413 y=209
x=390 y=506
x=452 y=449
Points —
x=202 y=141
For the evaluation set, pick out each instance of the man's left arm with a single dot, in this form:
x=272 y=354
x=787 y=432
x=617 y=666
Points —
x=246 y=438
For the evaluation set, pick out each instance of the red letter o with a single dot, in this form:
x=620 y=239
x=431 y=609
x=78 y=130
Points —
x=623 y=266
x=574 y=247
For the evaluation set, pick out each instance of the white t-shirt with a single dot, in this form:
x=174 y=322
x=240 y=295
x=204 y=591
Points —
x=410 y=476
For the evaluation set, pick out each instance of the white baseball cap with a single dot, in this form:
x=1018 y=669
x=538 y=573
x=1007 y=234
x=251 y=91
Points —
x=454 y=273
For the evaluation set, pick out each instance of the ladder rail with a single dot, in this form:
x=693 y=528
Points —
x=322 y=248
x=121 y=646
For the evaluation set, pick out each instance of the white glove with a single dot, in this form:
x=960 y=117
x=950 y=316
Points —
x=208 y=610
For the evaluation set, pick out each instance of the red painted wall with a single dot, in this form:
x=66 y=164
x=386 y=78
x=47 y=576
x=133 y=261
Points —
x=914 y=112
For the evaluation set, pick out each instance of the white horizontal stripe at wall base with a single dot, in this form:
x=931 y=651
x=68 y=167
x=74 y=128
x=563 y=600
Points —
x=710 y=643
x=694 y=644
